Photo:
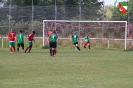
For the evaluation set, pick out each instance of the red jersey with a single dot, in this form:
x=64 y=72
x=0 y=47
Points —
x=11 y=36
x=31 y=37
x=50 y=32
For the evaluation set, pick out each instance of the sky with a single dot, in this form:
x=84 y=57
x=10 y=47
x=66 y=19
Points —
x=111 y=2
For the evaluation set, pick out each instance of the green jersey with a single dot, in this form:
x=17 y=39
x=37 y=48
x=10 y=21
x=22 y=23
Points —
x=20 y=38
x=86 y=39
x=52 y=38
x=74 y=38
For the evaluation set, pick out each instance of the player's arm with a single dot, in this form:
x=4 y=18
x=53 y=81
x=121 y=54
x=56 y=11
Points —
x=47 y=39
x=15 y=37
x=33 y=39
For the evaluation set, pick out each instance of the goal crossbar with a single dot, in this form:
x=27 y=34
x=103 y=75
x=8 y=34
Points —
x=85 y=22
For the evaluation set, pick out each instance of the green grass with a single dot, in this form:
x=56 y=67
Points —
x=69 y=69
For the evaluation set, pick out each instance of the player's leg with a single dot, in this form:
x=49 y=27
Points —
x=22 y=45
x=84 y=45
x=13 y=46
x=76 y=44
x=30 y=47
x=10 y=49
x=10 y=46
x=50 y=45
x=89 y=45
x=50 y=51
x=53 y=48
x=27 y=47
x=54 y=51
x=18 y=45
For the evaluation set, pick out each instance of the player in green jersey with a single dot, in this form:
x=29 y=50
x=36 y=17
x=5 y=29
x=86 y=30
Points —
x=53 y=43
x=86 y=41
x=75 y=40
x=20 y=41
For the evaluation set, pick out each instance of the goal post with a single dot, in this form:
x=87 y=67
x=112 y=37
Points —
x=107 y=32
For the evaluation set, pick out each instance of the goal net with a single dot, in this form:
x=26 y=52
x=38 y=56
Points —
x=103 y=34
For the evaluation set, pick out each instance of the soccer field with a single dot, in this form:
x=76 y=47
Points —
x=68 y=69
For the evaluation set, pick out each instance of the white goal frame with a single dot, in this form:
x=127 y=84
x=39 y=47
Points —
x=88 y=22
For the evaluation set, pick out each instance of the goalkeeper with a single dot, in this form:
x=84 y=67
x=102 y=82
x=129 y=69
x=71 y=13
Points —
x=86 y=42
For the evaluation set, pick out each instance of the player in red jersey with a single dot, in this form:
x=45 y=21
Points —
x=11 y=37
x=86 y=42
x=47 y=35
x=30 y=39
x=47 y=42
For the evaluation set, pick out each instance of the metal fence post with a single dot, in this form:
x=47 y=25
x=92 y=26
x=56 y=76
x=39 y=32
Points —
x=9 y=19
x=32 y=15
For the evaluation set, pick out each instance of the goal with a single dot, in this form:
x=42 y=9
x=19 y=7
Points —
x=103 y=34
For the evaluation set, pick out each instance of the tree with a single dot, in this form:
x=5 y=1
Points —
x=51 y=2
x=66 y=2
x=109 y=12
x=130 y=15
x=23 y=2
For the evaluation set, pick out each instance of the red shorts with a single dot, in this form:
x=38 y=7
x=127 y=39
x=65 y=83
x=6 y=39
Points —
x=85 y=43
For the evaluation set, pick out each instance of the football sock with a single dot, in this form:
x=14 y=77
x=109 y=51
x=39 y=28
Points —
x=89 y=46
x=50 y=52
x=14 y=48
x=78 y=48
x=10 y=49
x=23 y=48
x=54 y=52
x=26 y=49
x=29 y=49
x=17 y=49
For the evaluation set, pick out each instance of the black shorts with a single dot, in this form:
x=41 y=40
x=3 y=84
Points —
x=52 y=44
x=75 y=43
x=20 y=44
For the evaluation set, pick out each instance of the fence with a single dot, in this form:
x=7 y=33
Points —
x=96 y=43
x=37 y=44
x=23 y=18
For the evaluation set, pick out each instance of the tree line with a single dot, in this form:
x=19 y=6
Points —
x=109 y=13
